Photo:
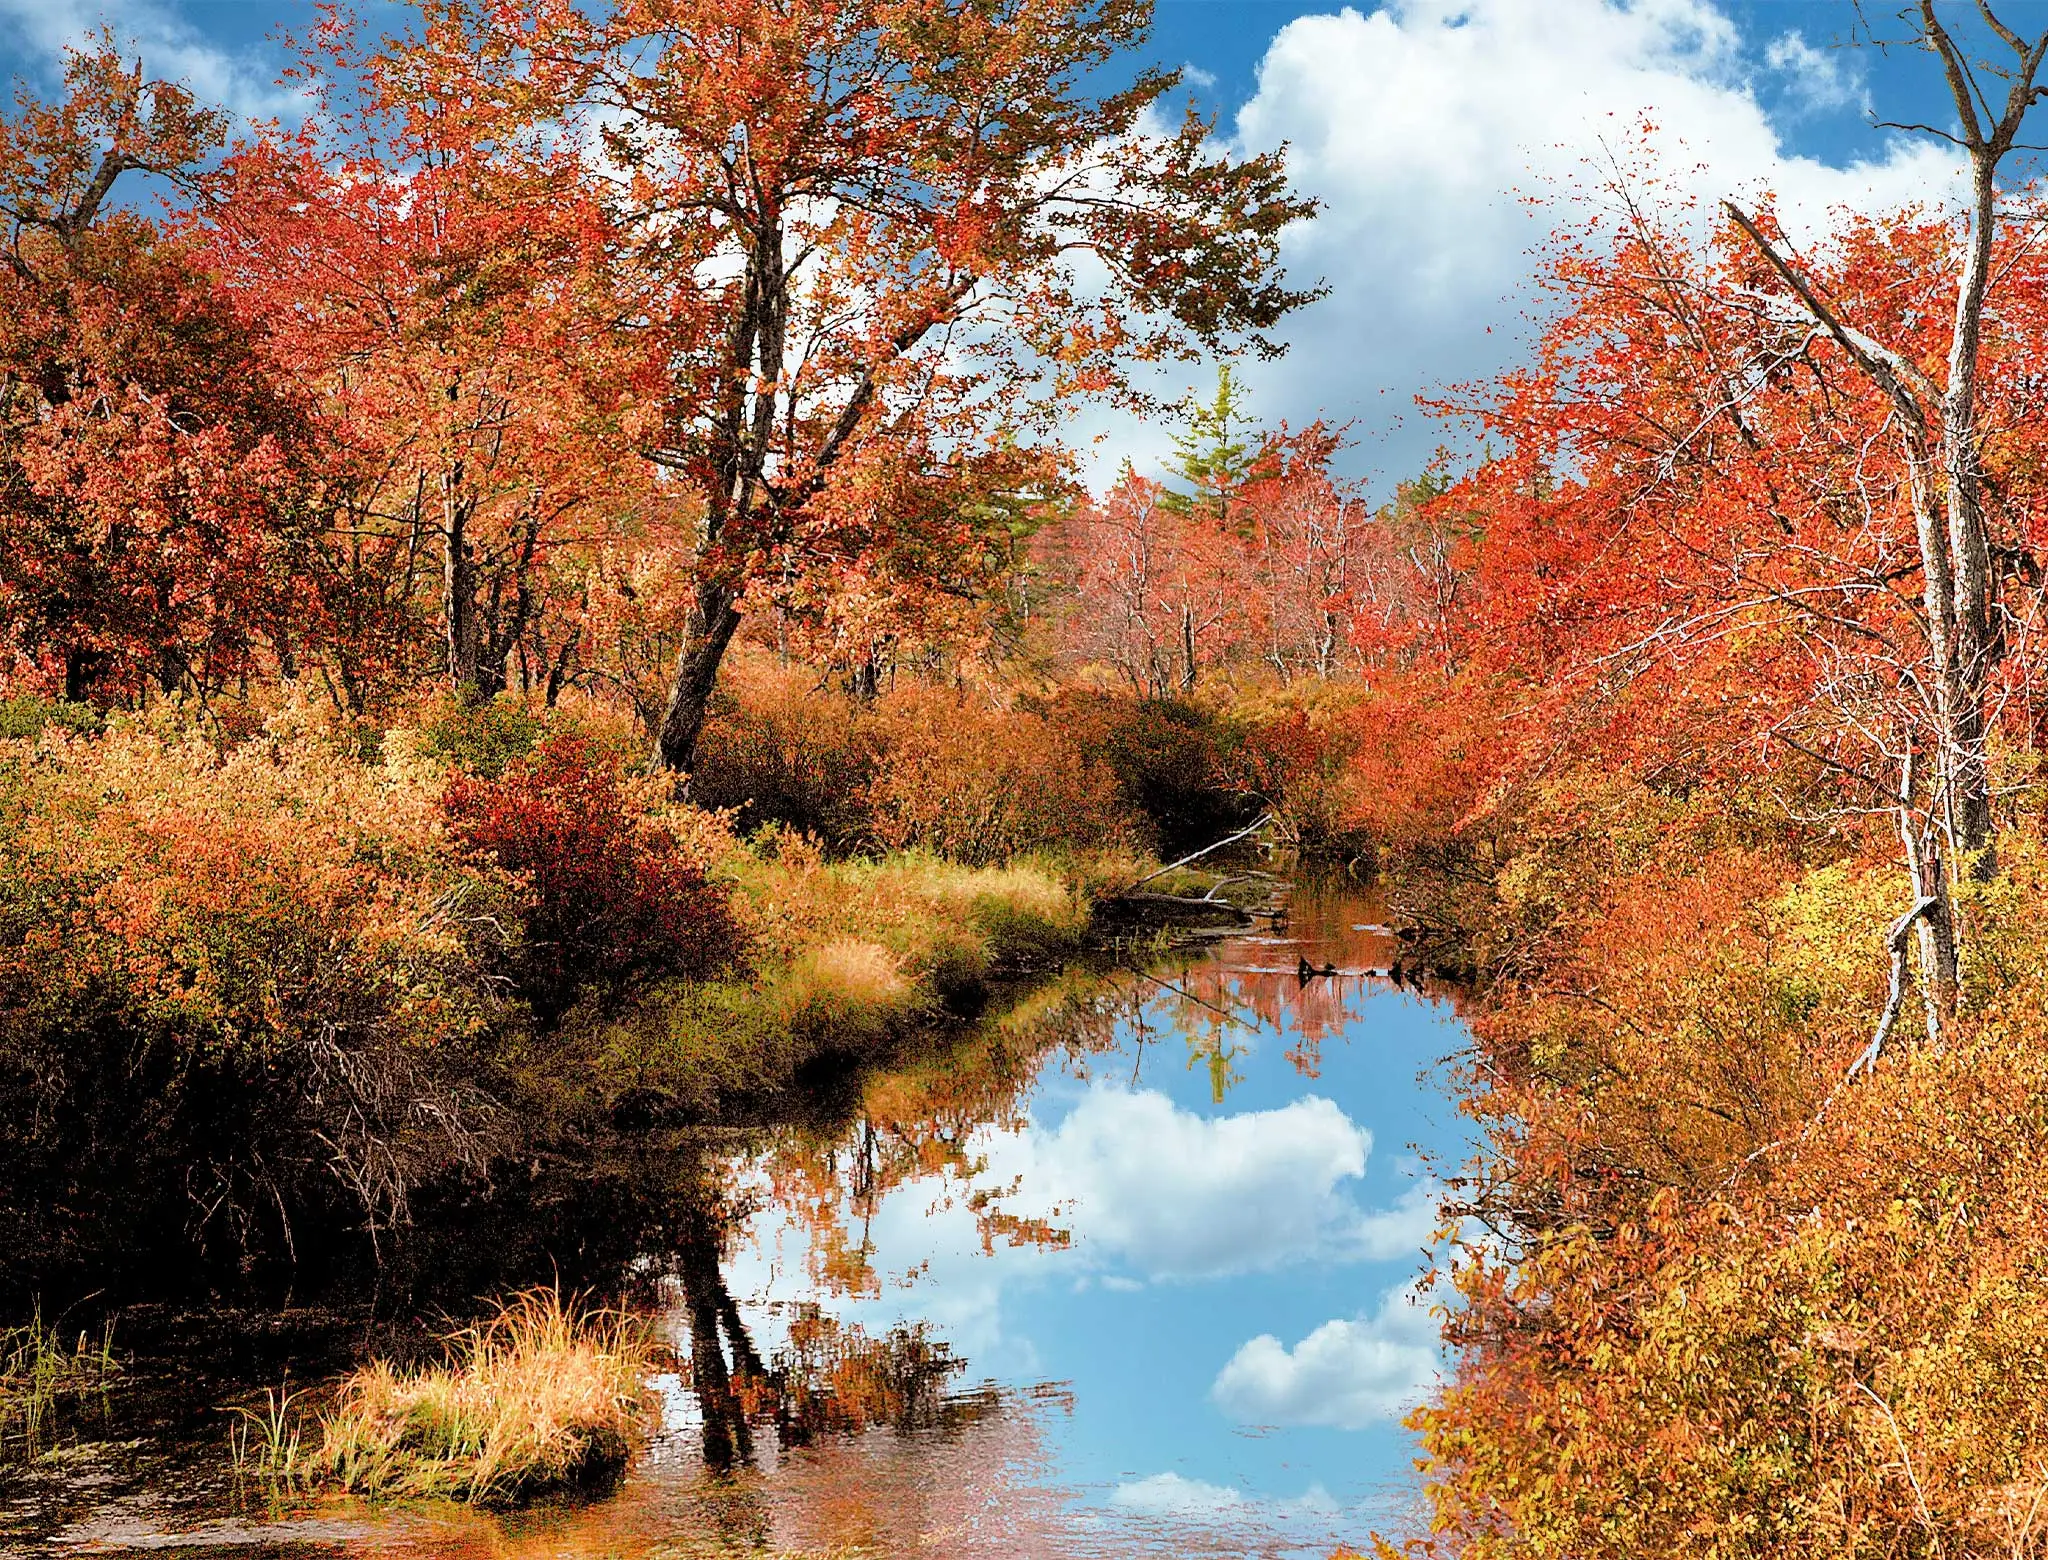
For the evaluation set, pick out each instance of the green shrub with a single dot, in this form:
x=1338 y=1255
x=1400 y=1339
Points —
x=481 y=737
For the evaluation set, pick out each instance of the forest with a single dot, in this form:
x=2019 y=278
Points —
x=552 y=617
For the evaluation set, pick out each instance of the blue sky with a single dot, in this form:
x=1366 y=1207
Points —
x=1427 y=127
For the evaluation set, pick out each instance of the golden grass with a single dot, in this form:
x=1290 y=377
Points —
x=538 y=1397
x=847 y=984
x=852 y=956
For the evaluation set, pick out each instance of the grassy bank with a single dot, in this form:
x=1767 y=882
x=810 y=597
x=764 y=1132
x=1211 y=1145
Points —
x=852 y=957
x=345 y=978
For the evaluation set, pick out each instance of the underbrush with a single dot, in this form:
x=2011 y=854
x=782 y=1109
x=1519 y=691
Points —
x=233 y=991
x=1735 y=1304
x=263 y=998
x=953 y=774
x=539 y=1396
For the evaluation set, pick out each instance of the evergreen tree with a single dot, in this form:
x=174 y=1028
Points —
x=1214 y=456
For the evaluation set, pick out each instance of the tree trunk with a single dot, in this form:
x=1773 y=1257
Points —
x=458 y=588
x=1975 y=650
x=714 y=618
x=1936 y=926
x=81 y=670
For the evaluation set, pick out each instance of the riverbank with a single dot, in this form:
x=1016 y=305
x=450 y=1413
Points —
x=276 y=999
x=861 y=1431
x=1728 y=1272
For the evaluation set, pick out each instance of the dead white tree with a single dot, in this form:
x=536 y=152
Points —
x=1940 y=442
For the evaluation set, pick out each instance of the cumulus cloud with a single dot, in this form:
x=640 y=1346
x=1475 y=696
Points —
x=1448 y=137
x=1347 y=1374
x=1168 y=1194
x=1151 y=1193
x=1176 y=1498
x=1170 y=1495
x=171 y=47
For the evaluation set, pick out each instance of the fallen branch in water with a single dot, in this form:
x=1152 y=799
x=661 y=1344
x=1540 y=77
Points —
x=1169 y=906
x=1252 y=828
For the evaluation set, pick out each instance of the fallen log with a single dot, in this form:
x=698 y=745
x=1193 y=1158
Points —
x=1132 y=908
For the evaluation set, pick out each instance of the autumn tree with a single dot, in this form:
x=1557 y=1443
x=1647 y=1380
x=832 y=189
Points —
x=160 y=485
x=1731 y=529
x=866 y=236
x=1142 y=587
x=1967 y=536
x=454 y=305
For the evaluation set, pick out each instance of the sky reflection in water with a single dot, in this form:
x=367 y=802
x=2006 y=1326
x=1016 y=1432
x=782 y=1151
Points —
x=1226 y=1345
x=1176 y=1254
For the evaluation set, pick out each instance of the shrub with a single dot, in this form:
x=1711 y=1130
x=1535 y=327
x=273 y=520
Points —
x=1171 y=760
x=233 y=994
x=980 y=786
x=26 y=716
x=481 y=737
x=1729 y=1319
x=942 y=772
x=780 y=752
x=1295 y=761
x=611 y=895
x=535 y=1398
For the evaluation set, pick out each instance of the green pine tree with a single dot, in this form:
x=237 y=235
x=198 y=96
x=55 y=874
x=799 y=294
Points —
x=1214 y=455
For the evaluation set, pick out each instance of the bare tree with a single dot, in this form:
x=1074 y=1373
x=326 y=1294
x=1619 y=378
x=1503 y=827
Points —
x=1941 y=444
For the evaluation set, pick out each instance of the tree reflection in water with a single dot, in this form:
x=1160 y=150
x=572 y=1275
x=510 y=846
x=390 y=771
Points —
x=921 y=1121
x=825 y=1377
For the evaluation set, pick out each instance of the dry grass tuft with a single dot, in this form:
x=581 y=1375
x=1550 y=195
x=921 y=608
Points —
x=538 y=1397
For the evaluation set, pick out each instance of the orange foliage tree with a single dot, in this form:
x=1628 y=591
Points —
x=1699 y=549
x=858 y=235
x=454 y=306
x=162 y=483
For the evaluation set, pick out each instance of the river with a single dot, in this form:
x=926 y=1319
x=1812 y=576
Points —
x=1134 y=1272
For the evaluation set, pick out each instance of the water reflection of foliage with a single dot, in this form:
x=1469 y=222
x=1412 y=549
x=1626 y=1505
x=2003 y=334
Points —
x=928 y=1120
x=831 y=1376
x=925 y=1121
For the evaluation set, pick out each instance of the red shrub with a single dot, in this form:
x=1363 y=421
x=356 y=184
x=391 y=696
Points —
x=611 y=896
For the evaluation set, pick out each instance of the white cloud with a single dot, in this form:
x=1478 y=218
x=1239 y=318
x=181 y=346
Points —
x=1170 y=1495
x=172 y=49
x=1816 y=79
x=1429 y=126
x=1169 y=1194
x=1348 y=1373
x=1150 y=1192
x=1173 y=1496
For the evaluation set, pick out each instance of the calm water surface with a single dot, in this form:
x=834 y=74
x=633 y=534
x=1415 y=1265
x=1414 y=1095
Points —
x=1136 y=1274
